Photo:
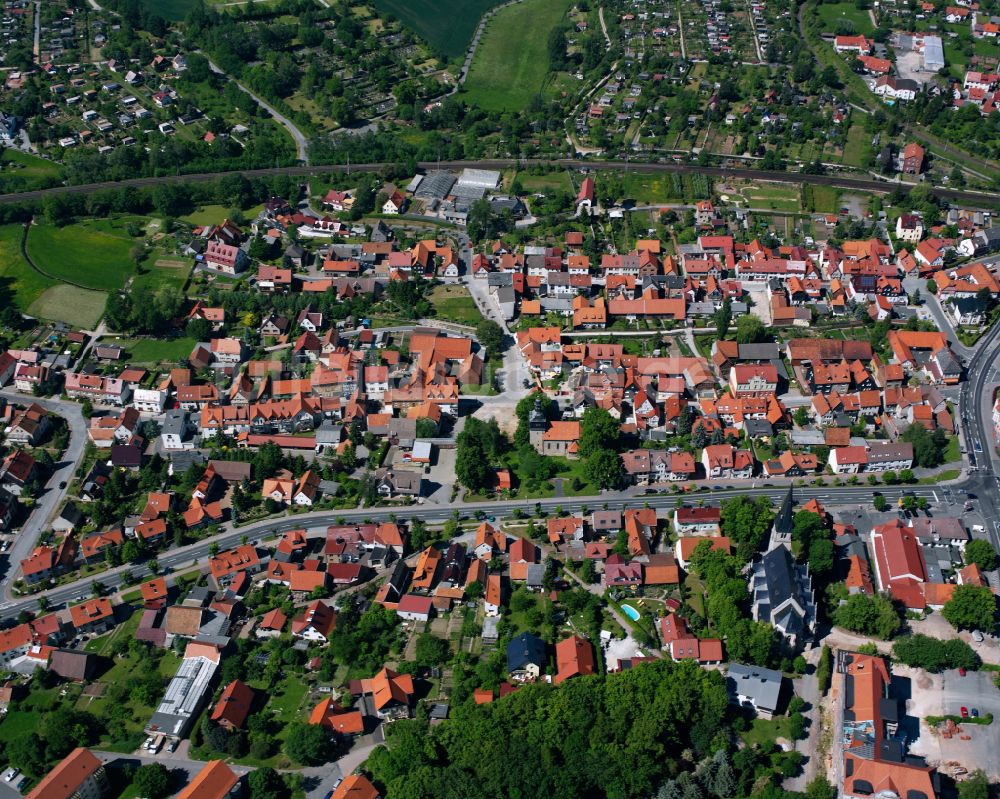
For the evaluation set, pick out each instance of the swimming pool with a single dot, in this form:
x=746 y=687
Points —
x=631 y=612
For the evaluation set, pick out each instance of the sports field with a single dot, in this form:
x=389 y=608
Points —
x=447 y=25
x=512 y=61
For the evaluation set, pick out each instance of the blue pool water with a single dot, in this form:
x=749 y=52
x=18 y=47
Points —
x=631 y=612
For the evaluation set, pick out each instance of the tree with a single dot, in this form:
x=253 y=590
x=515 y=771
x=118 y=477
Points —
x=971 y=607
x=599 y=432
x=604 y=469
x=86 y=409
x=152 y=781
x=880 y=503
x=723 y=318
x=981 y=553
x=27 y=752
x=431 y=650
x=307 y=744
x=869 y=615
x=824 y=671
x=923 y=652
x=750 y=329
x=426 y=428
x=199 y=329
x=587 y=571
x=932 y=287
x=266 y=783
x=974 y=786
x=747 y=522
x=820 y=557
x=490 y=335
x=801 y=416
x=820 y=788
x=478 y=446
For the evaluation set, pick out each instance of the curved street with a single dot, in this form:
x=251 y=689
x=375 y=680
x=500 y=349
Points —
x=301 y=143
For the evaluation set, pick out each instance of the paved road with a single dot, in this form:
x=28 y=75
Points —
x=51 y=498
x=973 y=198
x=197 y=553
x=301 y=144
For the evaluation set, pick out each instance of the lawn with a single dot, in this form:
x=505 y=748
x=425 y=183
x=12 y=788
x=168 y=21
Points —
x=647 y=189
x=832 y=13
x=446 y=25
x=94 y=254
x=75 y=306
x=858 y=144
x=766 y=731
x=214 y=214
x=825 y=199
x=24 y=172
x=511 y=65
x=553 y=181
x=455 y=304
x=774 y=198
x=152 y=350
x=18 y=281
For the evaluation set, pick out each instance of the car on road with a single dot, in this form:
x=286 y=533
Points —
x=961 y=672
x=62 y=486
x=964 y=711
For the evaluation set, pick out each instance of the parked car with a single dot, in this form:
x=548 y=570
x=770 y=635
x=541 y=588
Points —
x=975 y=712
x=11 y=774
x=964 y=711
x=961 y=671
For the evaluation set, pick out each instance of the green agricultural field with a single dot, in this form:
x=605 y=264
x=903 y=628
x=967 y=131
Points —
x=511 y=65
x=833 y=13
x=826 y=199
x=24 y=172
x=18 y=281
x=75 y=306
x=446 y=25
x=94 y=254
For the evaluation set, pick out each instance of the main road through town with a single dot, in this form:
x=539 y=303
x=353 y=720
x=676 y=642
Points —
x=975 y=412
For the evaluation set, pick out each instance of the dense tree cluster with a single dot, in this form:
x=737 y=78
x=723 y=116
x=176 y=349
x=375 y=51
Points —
x=876 y=616
x=972 y=607
x=928 y=448
x=361 y=640
x=747 y=523
x=982 y=553
x=727 y=601
x=478 y=449
x=615 y=736
x=934 y=655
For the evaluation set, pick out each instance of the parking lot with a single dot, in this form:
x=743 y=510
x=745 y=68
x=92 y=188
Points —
x=945 y=694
